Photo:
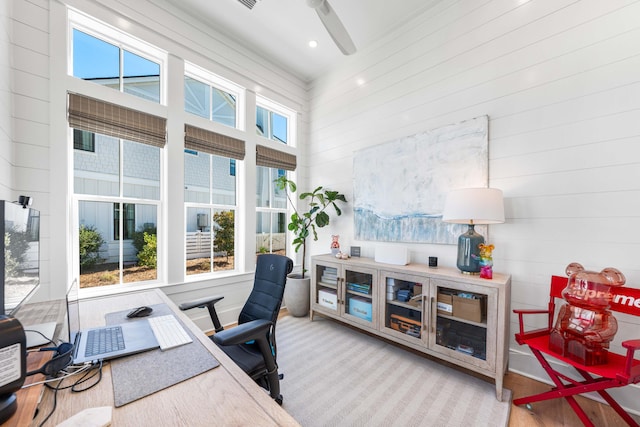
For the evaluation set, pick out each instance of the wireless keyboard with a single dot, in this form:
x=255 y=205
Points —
x=168 y=331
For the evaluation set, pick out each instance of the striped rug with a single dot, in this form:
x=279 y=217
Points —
x=335 y=376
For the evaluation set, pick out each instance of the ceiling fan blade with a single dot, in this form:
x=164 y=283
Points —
x=334 y=26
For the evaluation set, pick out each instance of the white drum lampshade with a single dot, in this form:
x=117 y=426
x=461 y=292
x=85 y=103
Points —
x=472 y=206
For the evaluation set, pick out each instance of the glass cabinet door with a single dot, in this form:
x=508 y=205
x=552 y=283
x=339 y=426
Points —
x=344 y=290
x=463 y=316
x=326 y=291
x=402 y=299
x=358 y=297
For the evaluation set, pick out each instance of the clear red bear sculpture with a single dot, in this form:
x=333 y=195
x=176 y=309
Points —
x=585 y=327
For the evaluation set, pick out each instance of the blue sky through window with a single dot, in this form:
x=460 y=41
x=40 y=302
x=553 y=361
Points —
x=94 y=58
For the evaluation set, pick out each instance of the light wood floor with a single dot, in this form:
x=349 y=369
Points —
x=556 y=412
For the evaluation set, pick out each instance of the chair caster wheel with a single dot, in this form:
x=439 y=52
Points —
x=279 y=400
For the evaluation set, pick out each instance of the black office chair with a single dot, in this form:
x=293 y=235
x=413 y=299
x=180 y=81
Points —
x=252 y=344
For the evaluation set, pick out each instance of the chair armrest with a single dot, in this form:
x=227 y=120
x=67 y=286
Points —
x=521 y=312
x=632 y=372
x=209 y=303
x=253 y=330
x=202 y=302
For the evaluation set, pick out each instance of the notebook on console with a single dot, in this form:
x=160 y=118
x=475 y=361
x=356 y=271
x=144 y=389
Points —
x=106 y=342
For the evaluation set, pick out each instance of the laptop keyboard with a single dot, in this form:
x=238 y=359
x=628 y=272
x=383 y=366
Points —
x=104 y=340
x=168 y=331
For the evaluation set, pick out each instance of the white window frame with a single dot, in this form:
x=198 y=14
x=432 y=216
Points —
x=77 y=198
x=107 y=33
x=292 y=123
x=100 y=30
x=272 y=210
x=212 y=207
x=207 y=77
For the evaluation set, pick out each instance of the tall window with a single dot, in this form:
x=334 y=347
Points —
x=275 y=123
x=210 y=200
x=118 y=193
x=117 y=154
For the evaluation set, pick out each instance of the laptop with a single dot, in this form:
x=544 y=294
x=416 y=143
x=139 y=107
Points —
x=106 y=342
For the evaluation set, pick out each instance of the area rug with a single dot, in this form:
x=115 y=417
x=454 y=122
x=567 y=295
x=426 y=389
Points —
x=335 y=376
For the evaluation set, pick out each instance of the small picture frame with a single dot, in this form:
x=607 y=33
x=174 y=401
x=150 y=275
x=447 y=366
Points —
x=355 y=251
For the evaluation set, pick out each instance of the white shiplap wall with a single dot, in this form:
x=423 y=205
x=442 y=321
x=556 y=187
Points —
x=560 y=82
x=5 y=101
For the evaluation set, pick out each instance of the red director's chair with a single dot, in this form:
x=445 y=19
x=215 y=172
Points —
x=619 y=371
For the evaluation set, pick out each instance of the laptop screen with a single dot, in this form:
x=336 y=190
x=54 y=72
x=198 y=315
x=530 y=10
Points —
x=73 y=310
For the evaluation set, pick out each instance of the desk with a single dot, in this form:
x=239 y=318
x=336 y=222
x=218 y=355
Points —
x=222 y=396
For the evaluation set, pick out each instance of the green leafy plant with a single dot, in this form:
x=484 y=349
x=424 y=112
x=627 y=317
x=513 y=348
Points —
x=304 y=224
x=224 y=224
x=138 y=236
x=148 y=255
x=90 y=242
x=16 y=244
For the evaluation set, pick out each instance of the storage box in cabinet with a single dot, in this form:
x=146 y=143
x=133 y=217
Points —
x=445 y=304
x=468 y=308
x=360 y=307
x=328 y=298
x=405 y=325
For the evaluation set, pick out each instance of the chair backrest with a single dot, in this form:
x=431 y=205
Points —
x=625 y=299
x=268 y=288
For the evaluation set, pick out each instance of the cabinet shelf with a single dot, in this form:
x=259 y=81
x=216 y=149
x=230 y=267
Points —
x=470 y=322
x=328 y=285
x=405 y=305
x=474 y=335
x=360 y=294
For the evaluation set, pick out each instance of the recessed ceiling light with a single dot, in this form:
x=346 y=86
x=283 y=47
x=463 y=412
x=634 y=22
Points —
x=360 y=82
x=313 y=43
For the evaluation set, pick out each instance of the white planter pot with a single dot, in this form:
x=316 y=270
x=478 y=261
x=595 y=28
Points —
x=297 y=294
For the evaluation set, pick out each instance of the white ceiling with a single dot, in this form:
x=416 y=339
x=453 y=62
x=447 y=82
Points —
x=280 y=30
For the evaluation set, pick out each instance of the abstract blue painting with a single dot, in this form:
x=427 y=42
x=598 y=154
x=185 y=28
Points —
x=400 y=187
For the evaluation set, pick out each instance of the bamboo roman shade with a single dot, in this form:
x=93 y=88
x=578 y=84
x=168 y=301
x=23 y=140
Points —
x=213 y=143
x=274 y=159
x=94 y=115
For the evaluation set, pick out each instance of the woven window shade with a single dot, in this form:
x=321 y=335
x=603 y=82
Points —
x=213 y=143
x=94 y=115
x=275 y=159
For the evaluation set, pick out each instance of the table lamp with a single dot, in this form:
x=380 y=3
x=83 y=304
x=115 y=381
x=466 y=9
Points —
x=472 y=206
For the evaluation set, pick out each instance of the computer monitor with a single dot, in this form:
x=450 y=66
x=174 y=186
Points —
x=20 y=277
x=20 y=268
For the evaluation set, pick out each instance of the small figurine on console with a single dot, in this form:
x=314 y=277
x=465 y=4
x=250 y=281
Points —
x=584 y=327
x=335 y=245
x=486 y=261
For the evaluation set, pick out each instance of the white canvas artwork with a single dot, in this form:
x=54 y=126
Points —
x=400 y=187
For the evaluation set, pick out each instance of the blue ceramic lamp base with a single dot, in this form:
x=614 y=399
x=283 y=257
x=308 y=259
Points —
x=469 y=252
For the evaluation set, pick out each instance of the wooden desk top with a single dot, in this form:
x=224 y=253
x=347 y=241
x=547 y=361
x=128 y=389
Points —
x=28 y=397
x=222 y=396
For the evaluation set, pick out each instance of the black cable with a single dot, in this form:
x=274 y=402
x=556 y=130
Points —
x=49 y=340
x=55 y=401
x=96 y=369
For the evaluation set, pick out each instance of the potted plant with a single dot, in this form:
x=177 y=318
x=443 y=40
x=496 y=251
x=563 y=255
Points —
x=303 y=224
